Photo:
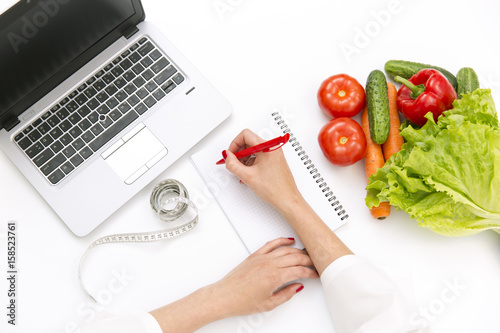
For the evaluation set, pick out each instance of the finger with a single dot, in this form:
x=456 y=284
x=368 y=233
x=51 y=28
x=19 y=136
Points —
x=298 y=272
x=295 y=259
x=285 y=294
x=284 y=250
x=274 y=244
x=234 y=166
x=243 y=140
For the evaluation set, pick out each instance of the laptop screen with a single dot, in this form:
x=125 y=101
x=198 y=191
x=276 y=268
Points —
x=46 y=38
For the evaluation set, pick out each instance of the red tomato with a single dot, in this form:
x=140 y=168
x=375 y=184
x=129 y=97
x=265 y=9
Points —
x=341 y=96
x=343 y=141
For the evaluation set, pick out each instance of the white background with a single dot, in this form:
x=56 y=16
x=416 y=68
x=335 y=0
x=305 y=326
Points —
x=266 y=55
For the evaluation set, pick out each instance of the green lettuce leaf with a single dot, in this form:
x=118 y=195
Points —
x=447 y=174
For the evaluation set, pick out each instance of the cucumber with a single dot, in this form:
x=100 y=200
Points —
x=467 y=81
x=377 y=102
x=406 y=69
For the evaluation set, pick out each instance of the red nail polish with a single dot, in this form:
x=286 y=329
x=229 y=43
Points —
x=291 y=238
x=299 y=289
x=224 y=154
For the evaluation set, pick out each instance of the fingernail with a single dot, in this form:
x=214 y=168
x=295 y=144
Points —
x=241 y=182
x=299 y=289
x=224 y=154
x=291 y=238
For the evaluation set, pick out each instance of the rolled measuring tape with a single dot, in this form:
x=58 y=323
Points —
x=170 y=200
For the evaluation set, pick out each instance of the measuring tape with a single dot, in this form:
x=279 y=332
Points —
x=165 y=194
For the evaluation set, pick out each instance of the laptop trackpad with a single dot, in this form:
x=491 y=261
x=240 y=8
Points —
x=134 y=154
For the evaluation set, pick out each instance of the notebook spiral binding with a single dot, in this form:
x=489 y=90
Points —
x=332 y=199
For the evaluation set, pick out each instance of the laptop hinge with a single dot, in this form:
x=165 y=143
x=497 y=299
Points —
x=11 y=124
x=130 y=32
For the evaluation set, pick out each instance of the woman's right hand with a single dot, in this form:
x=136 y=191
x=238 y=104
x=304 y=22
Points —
x=268 y=175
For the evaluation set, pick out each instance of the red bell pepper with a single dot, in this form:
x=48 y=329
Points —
x=426 y=91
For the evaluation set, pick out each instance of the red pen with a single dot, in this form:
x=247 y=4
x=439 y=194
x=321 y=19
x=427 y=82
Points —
x=264 y=147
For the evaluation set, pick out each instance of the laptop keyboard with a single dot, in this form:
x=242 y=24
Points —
x=64 y=137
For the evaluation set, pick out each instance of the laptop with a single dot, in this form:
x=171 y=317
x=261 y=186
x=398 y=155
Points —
x=95 y=103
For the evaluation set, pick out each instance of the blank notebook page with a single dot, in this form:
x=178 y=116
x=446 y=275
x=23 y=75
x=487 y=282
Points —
x=255 y=221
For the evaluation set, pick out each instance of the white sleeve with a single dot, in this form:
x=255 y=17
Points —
x=362 y=298
x=135 y=323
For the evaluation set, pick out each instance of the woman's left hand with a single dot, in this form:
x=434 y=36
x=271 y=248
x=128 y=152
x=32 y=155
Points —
x=250 y=287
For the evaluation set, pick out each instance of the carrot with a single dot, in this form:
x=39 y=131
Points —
x=374 y=159
x=394 y=141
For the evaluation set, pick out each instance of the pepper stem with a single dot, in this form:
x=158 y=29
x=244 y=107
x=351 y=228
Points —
x=415 y=90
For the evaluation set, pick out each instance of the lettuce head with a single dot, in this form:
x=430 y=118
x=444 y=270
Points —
x=447 y=174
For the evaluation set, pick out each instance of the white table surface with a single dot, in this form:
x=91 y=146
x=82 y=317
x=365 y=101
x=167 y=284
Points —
x=266 y=55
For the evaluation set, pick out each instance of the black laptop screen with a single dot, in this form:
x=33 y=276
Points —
x=47 y=39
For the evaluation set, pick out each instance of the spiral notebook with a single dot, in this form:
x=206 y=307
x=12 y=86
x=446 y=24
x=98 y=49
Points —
x=255 y=221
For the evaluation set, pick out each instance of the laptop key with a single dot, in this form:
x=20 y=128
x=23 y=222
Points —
x=90 y=92
x=73 y=94
x=143 y=40
x=88 y=136
x=56 y=177
x=112 y=103
x=78 y=144
x=46 y=140
x=69 y=151
x=148 y=75
x=142 y=93
x=44 y=128
x=66 y=139
x=99 y=85
x=84 y=111
x=158 y=66
x=117 y=60
x=133 y=100
x=108 y=67
x=115 y=115
x=82 y=87
x=120 y=83
x=97 y=129
x=67 y=168
x=117 y=71
x=53 y=164
x=18 y=137
x=91 y=80
x=53 y=121
x=139 y=82
x=124 y=108
x=178 y=78
x=121 y=96
x=37 y=122
x=56 y=133
x=93 y=117
x=165 y=75
x=75 y=132
x=113 y=130
x=155 y=55
x=34 y=150
x=99 y=74
x=111 y=90
x=106 y=122
x=108 y=78
x=151 y=86
x=28 y=129
x=34 y=135
x=76 y=160
x=93 y=104
x=103 y=109
x=145 y=49
x=134 y=47
x=56 y=147
x=85 y=124
x=47 y=114
x=141 y=108
x=24 y=143
x=74 y=118
x=62 y=114
x=65 y=126
x=135 y=57
x=43 y=157
x=130 y=89
x=129 y=76
x=126 y=64
x=81 y=99
x=102 y=96
x=125 y=54
x=72 y=106
x=64 y=101
x=159 y=94
x=150 y=101
x=138 y=69
x=86 y=152
x=146 y=62
x=168 y=87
